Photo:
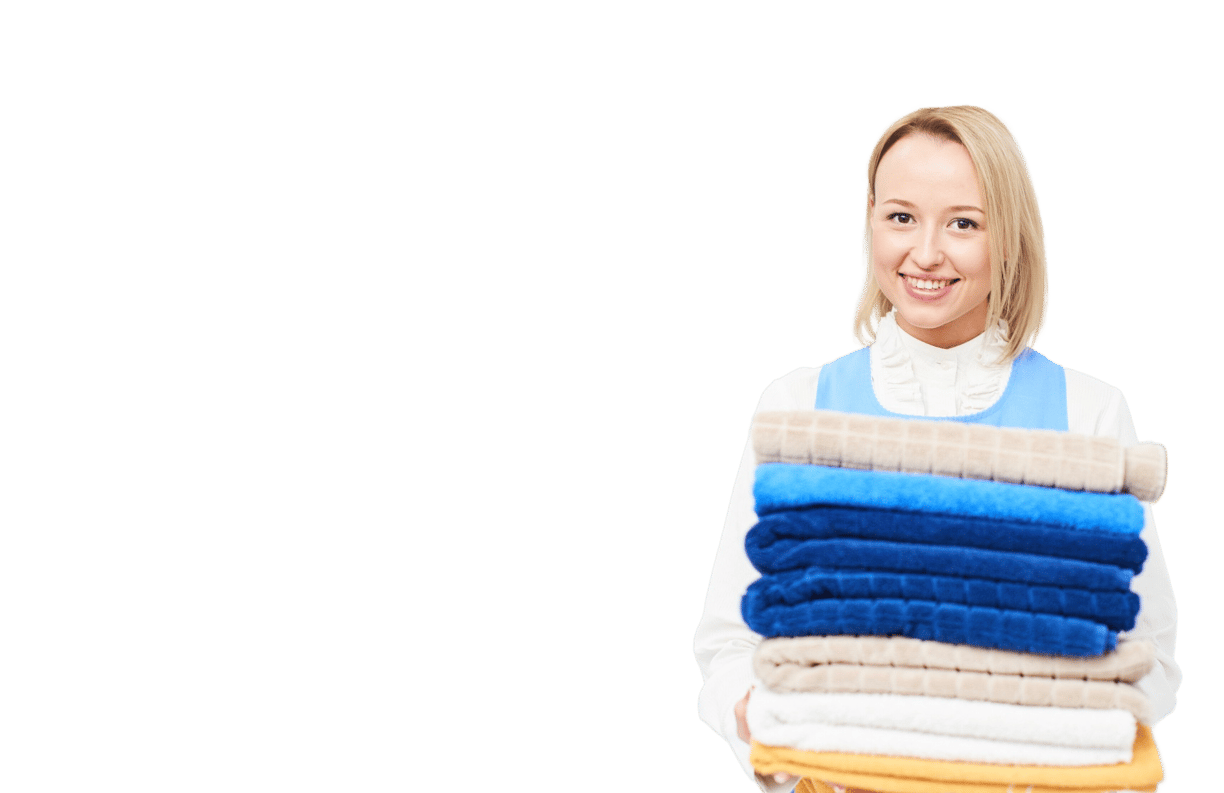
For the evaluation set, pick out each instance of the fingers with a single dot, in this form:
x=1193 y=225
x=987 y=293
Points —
x=741 y=718
x=843 y=789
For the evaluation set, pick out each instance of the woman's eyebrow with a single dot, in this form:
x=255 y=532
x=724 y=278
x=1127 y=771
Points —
x=959 y=208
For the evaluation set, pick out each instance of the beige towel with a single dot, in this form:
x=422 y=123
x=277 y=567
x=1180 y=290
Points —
x=1130 y=662
x=970 y=451
x=976 y=686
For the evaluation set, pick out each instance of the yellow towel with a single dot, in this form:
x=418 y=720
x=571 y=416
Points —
x=908 y=775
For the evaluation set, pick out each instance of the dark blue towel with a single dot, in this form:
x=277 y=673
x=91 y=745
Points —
x=942 y=622
x=1122 y=550
x=771 y=597
x=786 y=486
x=899 y=557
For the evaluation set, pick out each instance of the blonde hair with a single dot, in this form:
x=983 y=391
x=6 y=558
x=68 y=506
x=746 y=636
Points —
x=1017 y=250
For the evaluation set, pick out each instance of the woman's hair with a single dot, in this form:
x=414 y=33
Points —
x=1017 y=252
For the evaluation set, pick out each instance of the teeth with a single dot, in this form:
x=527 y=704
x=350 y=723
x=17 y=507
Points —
x=923 y=283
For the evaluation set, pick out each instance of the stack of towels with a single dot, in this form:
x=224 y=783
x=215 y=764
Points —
x=941 y=604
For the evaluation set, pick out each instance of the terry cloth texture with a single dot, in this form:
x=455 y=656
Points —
x=899 y=557
x=825 y=523
x=773 y=598
x=942 y=622
x=970 y=451
x=1083 y=728
x=774 y=658
x=908 y=775
x=973 y=686
x=785 y=486
x=903 y=743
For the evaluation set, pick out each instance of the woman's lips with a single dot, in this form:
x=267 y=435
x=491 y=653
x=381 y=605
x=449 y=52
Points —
x=916 y=287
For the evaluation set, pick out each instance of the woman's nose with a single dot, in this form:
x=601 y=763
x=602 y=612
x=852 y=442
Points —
x=928 y=253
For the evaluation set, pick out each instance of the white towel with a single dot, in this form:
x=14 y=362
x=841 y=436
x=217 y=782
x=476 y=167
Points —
x=1085 y=728
x=898 y=743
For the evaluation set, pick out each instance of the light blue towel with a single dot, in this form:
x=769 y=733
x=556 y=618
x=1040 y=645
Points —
x=785 y=486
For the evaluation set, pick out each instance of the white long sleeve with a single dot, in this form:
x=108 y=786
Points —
x=1094 y=408
x=723 y=644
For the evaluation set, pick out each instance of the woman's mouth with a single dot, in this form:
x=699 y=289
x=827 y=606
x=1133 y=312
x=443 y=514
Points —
x=927 y=288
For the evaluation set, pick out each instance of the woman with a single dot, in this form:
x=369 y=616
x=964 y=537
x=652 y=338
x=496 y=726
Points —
x=955 y=288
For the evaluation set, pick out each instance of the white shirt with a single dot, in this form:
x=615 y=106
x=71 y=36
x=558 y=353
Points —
x=913 y=378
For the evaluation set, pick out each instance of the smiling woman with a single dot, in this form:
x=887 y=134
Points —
x=930 y=251
x=954 y=294
x=959 y=167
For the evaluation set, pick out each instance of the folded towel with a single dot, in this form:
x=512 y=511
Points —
x=906 y=775
x=772 y=597
x=973 y=686
x=823 y=522
x=807 y=785
x=902 y=743
x=785 y=486
x=899 y=557
x=971 y=451
x=776 y=658
x=943 y=622
x=1083 y=728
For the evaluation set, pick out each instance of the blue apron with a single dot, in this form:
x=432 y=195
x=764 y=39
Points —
x=1035 y=397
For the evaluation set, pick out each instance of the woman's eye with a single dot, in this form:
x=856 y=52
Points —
x=900 y=217
x=965 y=224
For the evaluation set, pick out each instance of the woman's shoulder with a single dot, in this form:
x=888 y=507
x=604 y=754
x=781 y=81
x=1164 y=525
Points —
x=1092 y=385
x=795 y=390
x=1095 y=407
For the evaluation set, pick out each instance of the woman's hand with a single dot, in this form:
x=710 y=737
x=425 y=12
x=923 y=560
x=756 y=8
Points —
x=741 y=718
x=741 y=729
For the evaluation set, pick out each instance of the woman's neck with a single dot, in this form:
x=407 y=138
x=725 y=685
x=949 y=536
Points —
x=953 y=334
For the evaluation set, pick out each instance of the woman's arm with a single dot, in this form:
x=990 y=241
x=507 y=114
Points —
x=723 y=644
x=1095 y=408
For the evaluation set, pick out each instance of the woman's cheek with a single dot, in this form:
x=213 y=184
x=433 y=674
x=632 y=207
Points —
x=885 y=248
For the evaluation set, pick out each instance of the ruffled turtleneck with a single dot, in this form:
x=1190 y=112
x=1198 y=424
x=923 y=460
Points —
x=914 y=378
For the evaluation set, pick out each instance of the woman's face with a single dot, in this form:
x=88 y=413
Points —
x=930 y=250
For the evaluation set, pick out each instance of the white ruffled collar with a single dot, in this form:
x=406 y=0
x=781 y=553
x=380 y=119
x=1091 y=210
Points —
x=894 y=352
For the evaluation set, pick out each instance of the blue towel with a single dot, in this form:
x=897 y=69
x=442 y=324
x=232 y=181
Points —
x=899 y=557
x=769 y=598
x=1122 y=550
x=942 y=622
x=786 y=486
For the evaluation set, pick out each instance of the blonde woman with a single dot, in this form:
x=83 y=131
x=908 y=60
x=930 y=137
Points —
x=954 y=295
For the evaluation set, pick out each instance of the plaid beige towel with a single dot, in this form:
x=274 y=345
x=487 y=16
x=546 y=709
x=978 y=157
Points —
x=974 y=686
x=1130 y=662
x=969 y=451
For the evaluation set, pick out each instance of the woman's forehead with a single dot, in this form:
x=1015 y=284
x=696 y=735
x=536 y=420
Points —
x=920 y=168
